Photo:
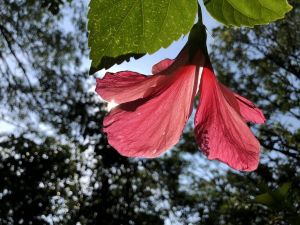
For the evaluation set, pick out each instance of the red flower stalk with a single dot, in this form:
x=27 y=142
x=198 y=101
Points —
x=153 y=110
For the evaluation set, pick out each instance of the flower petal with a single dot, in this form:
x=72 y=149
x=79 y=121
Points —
x=220 y=131
x=161 y=66
x=249 y=111
x=122 y=86
x=129 y=86
x=243 y=106
x=148 y=127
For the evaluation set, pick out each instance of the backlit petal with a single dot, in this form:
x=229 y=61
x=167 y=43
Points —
x=147 y=127
x=161 y=66
x=129 y=86
x=243 y=106
x=220 y=131
x=122 y=86
x=249 y=111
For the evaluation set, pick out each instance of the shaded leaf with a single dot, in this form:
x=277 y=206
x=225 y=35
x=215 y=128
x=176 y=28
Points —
x=275 y=199
x=247 y=13
x=265 y=199
x=283 y=189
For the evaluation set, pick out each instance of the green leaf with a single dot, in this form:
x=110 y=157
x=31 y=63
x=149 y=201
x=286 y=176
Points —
x=247 y=12
x=265 y=199
x=120 y=29
x=275 y=199
x=283 y=189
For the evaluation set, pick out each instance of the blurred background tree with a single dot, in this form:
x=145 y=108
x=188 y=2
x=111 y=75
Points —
x=56 y=166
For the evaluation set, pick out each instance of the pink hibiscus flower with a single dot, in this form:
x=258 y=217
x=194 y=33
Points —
x=153 y=110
